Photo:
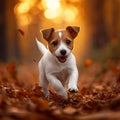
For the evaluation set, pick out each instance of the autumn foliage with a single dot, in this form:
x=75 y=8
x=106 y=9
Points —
x=98 y=96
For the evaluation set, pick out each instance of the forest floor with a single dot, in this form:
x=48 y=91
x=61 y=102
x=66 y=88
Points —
x=98 y=97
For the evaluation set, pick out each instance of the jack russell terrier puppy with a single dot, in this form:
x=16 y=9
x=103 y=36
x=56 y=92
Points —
x=58 y=65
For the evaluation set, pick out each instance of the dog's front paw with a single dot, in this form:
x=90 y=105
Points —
x=46 y=93
x=73 y=90
x=63 y=94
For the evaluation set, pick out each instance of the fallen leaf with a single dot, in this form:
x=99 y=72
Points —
x=41 y=104
x=21 y=31
x=11 y=68
x=69 y=110
x=57 y=112
x=83 y=90
x=115 y=70
x=88 y=62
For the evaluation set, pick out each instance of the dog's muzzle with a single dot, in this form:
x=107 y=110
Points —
x=63 y=52
x=62 y=58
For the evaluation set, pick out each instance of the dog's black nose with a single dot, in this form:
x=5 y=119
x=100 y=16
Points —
x=63 y=52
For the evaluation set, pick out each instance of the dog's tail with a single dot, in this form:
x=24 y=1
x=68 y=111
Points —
x=41 y=47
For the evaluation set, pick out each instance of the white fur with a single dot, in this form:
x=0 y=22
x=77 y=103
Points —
x=41 y=47
x=56 y=73
x=62 y=46
x=60 y=34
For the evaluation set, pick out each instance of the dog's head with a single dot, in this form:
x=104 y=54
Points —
x=60 y=42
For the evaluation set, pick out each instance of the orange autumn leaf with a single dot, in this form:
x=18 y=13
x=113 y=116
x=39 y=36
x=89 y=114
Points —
x=41 y=104
x=113 y=38
x=84 y=91
x=69 y=110
x=88 y=62
x=11 y=68
x=115 y=70
x=21 y=32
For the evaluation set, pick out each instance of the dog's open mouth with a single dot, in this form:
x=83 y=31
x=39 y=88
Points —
x=62 y=59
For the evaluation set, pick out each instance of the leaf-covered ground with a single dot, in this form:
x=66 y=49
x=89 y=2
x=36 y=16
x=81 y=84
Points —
x=98 y=96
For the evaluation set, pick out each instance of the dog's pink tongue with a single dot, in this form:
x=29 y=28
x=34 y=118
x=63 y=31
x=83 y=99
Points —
x=62 y=59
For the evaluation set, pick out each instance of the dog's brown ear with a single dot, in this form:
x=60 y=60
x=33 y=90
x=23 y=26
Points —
x=47 y=33
x=73 y=30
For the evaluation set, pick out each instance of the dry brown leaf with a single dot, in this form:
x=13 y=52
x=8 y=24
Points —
x=11 y=68
x=88 y=62
x=21 y=31
x=83 y=90
x=41 y=104
x=69 y=110
x=115 y=70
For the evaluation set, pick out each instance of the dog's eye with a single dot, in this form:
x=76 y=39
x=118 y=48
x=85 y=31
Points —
x=55 y=43
x=68 y=42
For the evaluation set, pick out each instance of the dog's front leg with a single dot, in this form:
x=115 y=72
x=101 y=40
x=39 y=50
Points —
x=57 y=85
x=43 y=81
x=73 y=79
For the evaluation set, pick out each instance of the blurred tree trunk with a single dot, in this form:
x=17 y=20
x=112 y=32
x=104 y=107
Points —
x=100 y=36
x=102 y=21
x=96 y=23
x=112 y=17
x=11 y=31
x=3 y=49
x=9 y=48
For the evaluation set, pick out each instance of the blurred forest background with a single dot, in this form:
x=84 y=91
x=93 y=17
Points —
x=21 y=21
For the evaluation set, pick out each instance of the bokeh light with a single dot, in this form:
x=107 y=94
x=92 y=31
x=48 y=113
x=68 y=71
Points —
x=52 y=14
x=23 y=7
x=50 y=4
x=70 y=14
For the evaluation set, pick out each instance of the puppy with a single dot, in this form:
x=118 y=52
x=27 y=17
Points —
x=58 y=65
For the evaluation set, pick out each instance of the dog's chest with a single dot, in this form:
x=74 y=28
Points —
x=62 y=74
x=60 y=70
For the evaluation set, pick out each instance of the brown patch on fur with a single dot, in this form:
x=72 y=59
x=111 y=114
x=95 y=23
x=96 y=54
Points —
x=47 y=33
x=66 y=37
x=73 y=30
x=52 y=48
x=54 y=39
